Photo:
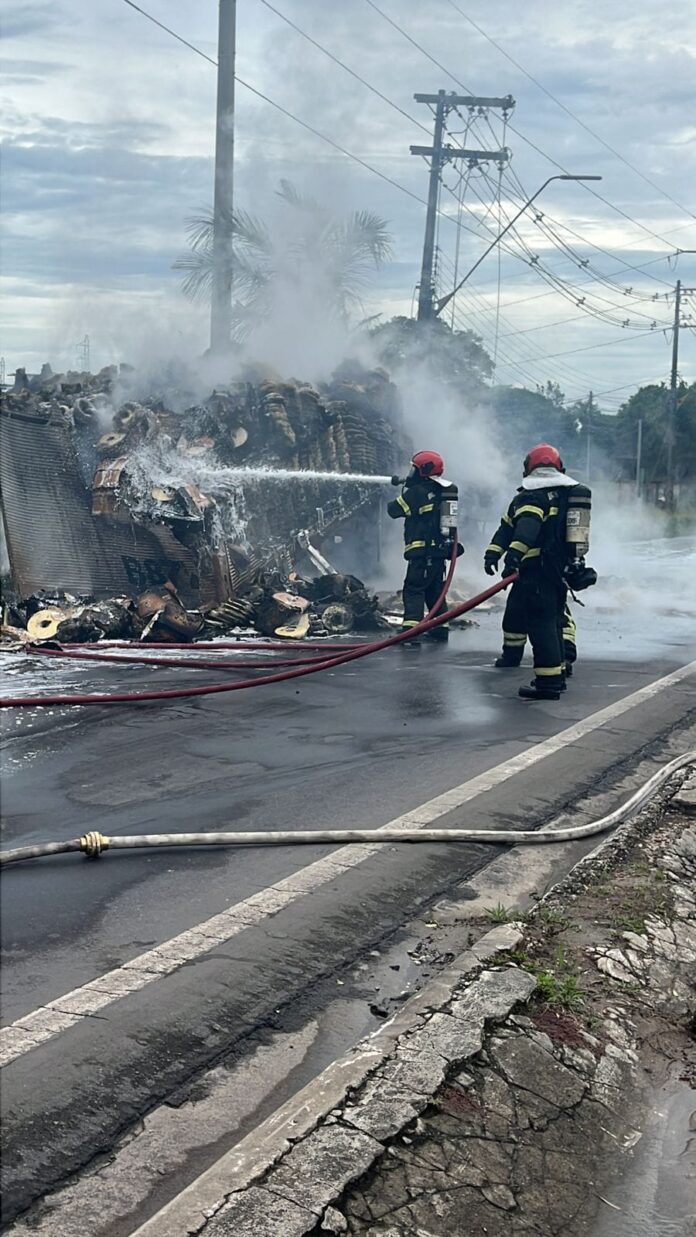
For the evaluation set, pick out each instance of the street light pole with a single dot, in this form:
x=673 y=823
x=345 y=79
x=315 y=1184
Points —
x=445 y=300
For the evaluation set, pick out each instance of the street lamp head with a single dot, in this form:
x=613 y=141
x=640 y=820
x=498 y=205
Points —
x=445 y=300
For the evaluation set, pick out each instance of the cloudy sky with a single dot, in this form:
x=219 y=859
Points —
x=109 y=132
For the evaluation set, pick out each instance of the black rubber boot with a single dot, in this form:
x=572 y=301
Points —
x=502 y=663
x=413 y=643
x=438 y=635
x=534 y=692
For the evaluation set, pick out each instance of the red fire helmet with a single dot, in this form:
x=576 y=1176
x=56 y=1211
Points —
x=542 y=456
x=428 y=464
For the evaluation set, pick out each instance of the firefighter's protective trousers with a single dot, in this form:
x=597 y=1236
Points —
x=422 y=587
x=515 y=631
x=536 y=608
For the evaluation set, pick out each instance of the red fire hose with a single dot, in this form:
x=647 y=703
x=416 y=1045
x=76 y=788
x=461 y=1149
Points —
x=240 y=644
x=330 y=663
x=185 y=663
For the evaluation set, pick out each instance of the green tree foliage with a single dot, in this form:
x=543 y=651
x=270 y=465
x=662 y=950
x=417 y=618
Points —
x=456 y=358
x=526 y=417
x=649 y=405
x=589 y=422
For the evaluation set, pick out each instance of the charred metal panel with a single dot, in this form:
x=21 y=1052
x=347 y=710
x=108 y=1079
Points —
x=53 y=541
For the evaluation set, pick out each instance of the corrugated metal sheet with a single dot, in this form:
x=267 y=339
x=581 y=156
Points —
x=54 y=541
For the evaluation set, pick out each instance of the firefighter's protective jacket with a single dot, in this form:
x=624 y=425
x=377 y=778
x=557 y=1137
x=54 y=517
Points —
x=419 y=505
x=532 y=529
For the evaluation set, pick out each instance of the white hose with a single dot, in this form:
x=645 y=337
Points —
x=92 y=844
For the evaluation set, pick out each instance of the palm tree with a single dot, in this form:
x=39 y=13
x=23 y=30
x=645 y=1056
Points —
x=311 y=255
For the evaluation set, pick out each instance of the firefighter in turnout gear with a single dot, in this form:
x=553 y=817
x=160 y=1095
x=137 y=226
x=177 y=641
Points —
x=428 y=505
x=540 y=537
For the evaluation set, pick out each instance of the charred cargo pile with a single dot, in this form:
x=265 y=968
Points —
x=110 y=493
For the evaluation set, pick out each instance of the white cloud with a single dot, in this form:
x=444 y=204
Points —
x=111 y=140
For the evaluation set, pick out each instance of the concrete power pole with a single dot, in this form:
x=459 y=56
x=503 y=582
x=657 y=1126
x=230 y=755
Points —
x=221 y=302
x=425 y=290
x=672 y=398
x=588 y=441
x=439 y=155
x=670 y=427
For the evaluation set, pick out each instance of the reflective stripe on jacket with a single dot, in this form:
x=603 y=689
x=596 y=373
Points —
x=419 y=506
x=533 y=526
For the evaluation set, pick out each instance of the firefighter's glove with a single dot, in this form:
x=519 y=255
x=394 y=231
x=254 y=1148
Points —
x=579 y=577
x=513 y=562
x=455 y=551
x=490 y=564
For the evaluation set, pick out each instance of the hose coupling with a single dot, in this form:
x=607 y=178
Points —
x=92 y=844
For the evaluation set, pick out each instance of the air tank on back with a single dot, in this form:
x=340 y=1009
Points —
x=578 y=521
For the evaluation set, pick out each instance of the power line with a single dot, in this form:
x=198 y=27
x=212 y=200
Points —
x=179 y=38
x=320 y=47
x=567 y=373
x=570 y=113
x=570 y=375
x=418 y=46
x=584 y=239
x=310 y=128
x=527 y=140
x=563 y=287
x=545 y=326
x=607 y=343
x=568 y=288
x=545 y=227
x=570 y=291
x=643 y=383
x=537 y=296
x=303 y=123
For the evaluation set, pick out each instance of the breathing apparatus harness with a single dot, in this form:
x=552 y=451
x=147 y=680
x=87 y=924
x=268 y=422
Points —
x=446 y=495
x=577 y=500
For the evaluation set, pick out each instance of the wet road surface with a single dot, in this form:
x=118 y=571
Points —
x=353 y=748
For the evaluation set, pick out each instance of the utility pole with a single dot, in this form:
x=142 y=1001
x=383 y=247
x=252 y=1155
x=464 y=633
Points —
x=672 y=398
x=221 y=302
x=588 y=452
x=439 y=155
x=82 y=352
x=639 y=457
x=670 y=428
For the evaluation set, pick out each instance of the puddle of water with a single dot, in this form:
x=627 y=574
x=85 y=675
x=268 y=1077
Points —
x=657 y=1193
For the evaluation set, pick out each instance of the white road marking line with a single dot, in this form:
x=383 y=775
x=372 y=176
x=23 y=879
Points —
x=63 y=1012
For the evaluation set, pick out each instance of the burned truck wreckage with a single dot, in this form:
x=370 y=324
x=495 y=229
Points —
x=164 y=517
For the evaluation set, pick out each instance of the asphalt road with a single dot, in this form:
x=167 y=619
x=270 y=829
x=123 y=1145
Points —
x=353 y=748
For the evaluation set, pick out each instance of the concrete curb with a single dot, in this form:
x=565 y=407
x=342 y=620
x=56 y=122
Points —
x=281 y=1178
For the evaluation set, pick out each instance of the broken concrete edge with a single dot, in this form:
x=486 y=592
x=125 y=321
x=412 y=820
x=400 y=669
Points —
x=292 y=1196
x=304 y=1190
x=542 y=1124
x=402 y=1063
x=245 y=1170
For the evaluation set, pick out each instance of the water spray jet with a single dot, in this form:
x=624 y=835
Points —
x=241 y=474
